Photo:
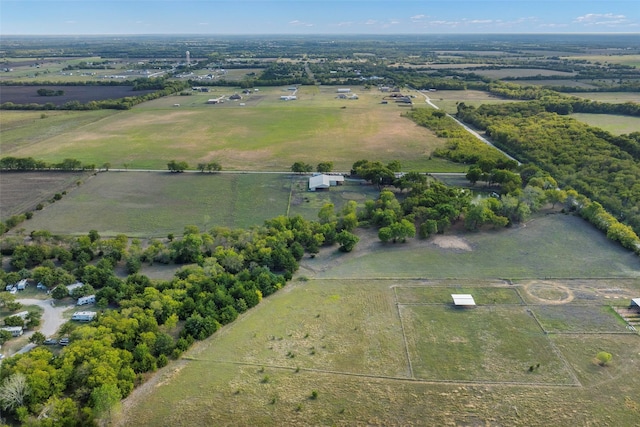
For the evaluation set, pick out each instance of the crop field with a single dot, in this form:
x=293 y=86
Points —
x=617 y=125
x=388 y=350
x=630 y=60
x=82 y=94
x=266 y=134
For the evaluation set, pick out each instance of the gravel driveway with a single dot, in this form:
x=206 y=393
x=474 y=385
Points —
x=52 y=317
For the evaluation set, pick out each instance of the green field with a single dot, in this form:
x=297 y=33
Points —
x=551 y=246
x=265 y=134
x=448 y=100
x=154 y=204
x=617 y=125
x=387 y=350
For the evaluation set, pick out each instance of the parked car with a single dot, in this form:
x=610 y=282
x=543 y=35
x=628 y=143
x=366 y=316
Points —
x=50 y=341
x=64 y=341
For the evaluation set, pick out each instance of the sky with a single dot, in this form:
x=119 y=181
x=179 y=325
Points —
x=248 y=17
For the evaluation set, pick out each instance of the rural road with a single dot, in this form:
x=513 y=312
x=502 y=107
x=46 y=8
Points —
x=467 y=128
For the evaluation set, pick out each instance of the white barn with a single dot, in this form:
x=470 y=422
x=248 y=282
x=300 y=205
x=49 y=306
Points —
x=324 y=181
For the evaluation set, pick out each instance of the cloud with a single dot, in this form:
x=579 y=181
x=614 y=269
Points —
x=417 y=18
x=601 y=19
x=296 y=23
x=371 y=22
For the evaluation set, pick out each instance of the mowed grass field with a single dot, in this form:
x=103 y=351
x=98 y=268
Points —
x=265 y=134
x=154 y=204
x=448 y=100
x=389 y=350
x=617 y=125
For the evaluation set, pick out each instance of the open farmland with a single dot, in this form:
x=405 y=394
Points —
x=82 y=94
x=154 y=204
x=267 y=134
x=23 y=191
x=389 y=350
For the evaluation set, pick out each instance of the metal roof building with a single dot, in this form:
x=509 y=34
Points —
x=463 y=300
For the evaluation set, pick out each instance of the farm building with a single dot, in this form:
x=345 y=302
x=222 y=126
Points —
x=235 y=96
x=463 y=300
x=635 y=303
x=16 y=331
x=288 y=98
x=84 y=316
x=344 y=90
x=89 y=299
x=215 y=101
x=324 y=181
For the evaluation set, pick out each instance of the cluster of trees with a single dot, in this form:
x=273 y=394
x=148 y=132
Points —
x=177 y=166
x=29 y=163
x=596 y=164
x=461 y=146
x=144 y=323
x=302 y=167
x=50 y=92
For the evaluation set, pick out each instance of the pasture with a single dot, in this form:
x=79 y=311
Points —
x=266 y=134
x=383 y=349
x=615 y=124
x=154 y=204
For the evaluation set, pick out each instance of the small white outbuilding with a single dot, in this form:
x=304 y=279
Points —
x=324 y=181
x=463 y=300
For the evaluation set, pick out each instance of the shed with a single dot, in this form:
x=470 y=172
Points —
x=463 y=300
x=635 y=303
x=324 y=181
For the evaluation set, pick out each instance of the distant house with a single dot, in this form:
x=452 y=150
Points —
x=463 y=300
x=235 y=96
x=84 y=316
x=323 y=181
x=16 y=331
x=635 y=303
x=215 y=101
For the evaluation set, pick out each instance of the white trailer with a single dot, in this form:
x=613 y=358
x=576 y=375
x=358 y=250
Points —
x=89 y=299
x=84 y=316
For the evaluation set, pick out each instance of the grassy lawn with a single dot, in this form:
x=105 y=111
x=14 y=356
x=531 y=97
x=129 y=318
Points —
x=495 y=343
x=579 y=319
x=153 y=204
x=550 y=246
x=617 y=125
x=448 y=100
x=442 y=295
